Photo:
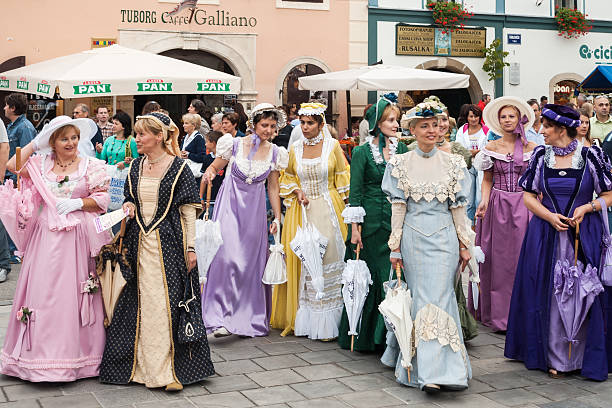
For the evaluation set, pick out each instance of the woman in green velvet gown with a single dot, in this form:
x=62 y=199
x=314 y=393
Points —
x=370 y=209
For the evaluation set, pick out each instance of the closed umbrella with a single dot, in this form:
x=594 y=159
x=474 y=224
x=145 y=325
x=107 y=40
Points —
x=356 y=279
x=111 y=265
x=576 y=288
x=309 y=245
x=208 y=240
x=396 y=311
x=15 y=212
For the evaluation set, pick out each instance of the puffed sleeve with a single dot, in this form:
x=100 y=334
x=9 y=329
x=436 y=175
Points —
x=98 y=181
x=398 y=203
x=355 y=212
x=289 y=181
x=530 y=180
x=599 y=166
x=342 y=177
x=282 y=159
x=224 y=146
x=482 y=161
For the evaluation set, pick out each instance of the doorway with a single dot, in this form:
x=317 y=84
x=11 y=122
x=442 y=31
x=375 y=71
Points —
x=293 y=96
x=176 y=105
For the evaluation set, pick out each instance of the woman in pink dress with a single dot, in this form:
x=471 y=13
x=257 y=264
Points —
x=56 y=330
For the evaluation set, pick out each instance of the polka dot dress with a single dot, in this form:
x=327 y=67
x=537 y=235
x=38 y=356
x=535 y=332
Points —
x=192 y=361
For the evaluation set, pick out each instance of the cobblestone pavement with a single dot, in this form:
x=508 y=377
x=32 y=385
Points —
x=295 y=372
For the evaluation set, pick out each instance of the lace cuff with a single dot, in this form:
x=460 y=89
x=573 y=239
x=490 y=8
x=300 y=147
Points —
x=461 y=226
x=482 y=162
x=398 y=213
x=353 y=215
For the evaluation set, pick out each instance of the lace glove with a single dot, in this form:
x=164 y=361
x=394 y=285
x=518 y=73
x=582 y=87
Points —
x=398 y=212
x=68 y=205
x=461 y=226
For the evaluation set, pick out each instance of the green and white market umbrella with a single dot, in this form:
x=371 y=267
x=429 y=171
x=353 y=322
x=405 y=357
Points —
x=114 y=71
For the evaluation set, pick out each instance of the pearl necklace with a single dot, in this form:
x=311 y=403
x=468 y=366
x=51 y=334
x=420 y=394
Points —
x=314 y=141
x=65 y=166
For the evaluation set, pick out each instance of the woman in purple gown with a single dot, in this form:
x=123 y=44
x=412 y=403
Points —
x=234 y=298
x=502 y=216
x=565 y=174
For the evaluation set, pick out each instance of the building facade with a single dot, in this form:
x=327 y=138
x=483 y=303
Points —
x=268 y=43
x=541 y=62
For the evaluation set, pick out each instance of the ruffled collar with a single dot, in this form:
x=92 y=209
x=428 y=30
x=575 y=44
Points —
x=378 y=158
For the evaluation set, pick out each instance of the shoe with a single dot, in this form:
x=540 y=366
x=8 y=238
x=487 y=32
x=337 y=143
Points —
x=175 y=386
x=15 y=260
x=221 y=332
x=554 y=374
x=3 y=273
x=431 y=388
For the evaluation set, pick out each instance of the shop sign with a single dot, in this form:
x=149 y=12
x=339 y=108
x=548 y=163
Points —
x=563 y=91
x=4 y=83
x=601 y=54
x=23 y=85
x=154 y=85
x=102 y=42
x=430 y=40
x=221 y=18
x=91 y=87
x=43 y=87
x=213 y=86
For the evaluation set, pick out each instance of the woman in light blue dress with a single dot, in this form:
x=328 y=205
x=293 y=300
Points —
x=430 y=238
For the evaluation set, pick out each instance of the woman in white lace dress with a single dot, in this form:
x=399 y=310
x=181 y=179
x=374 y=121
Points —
x=427 y=189
x=317 y=178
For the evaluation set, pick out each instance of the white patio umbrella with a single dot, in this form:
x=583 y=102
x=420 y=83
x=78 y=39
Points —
x=356 y=279
x=208 y=240
x=382 y=77
x=117 y=70
x=309 y=245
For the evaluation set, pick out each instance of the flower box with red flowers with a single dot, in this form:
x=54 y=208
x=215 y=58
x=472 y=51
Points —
x=571 y=23
x=449 y=15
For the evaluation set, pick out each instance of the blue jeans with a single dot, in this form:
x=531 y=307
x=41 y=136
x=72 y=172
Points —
x=5 y=254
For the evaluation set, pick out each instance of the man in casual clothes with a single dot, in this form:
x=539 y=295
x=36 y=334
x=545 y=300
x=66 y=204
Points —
x=20 y=132
x=82 y=111
x=486 y=98
x=601 y=123
x=543 y=100
x=534 y=134
x=5 y=254
x=106 y=127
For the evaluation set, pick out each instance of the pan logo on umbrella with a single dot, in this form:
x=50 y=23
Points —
x=91 y=87
x=154 y=85
x=23 y=84
x=4 y=83
x=43 y=87
x=213 y=85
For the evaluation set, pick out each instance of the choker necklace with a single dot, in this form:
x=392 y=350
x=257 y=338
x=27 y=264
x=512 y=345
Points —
x=441 y=143
x=64 y=166
x=564 y=151
x=314 y=140
x=154 y=161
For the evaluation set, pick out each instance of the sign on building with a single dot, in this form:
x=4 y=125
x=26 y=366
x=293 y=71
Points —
x=430 y=40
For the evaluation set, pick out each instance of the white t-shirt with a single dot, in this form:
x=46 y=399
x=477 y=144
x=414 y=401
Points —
x=3 y=134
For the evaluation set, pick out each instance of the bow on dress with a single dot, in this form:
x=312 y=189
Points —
x=23 y=339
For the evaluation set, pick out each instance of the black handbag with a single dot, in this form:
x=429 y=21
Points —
x=191 y=327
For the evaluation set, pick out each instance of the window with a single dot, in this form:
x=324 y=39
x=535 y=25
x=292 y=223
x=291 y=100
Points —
x=303 y=4
x=573 y=4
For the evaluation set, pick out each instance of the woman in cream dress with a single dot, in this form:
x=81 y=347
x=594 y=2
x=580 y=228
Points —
x=317 y=178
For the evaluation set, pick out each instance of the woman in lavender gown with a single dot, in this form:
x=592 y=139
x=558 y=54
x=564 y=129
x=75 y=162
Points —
x=502 y=216
x=234 y=298
x=565 y=174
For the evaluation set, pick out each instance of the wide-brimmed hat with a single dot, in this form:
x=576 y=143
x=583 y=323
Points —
x=490 y=114
x=268 y=107
x=87 y=129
